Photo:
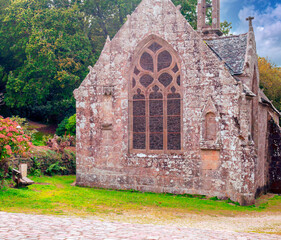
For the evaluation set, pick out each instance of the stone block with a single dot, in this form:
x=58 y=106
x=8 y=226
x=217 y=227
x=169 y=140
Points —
x=210 y=159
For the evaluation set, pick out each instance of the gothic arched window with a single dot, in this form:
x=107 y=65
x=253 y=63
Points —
x=156 y=101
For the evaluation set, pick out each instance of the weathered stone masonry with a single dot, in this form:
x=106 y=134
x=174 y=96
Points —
x=140 y=126
x=274 y=170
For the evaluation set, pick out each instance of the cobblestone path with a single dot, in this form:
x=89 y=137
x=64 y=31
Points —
x=21 y=226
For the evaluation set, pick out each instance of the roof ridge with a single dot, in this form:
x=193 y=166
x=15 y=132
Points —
x=231 y=36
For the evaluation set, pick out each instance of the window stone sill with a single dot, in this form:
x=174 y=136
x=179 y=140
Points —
x=210 y=145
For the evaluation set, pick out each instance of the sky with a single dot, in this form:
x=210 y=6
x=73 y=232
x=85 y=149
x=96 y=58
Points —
x=267 y=23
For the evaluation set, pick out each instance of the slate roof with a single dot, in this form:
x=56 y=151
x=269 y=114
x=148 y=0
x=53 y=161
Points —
x=232 y=50
x=265 y=99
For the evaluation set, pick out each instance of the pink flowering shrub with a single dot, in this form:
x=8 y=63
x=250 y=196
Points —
x=13 y=141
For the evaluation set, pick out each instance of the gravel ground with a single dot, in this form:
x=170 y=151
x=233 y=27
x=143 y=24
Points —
x=32 y=227
x=263 y=222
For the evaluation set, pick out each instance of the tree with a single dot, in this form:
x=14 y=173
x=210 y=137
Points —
x=47 y=45
x=270 y=81
x=226 y=28
x=56 y=54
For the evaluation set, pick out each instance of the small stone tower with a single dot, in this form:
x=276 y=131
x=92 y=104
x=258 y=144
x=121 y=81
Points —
x=203 y=27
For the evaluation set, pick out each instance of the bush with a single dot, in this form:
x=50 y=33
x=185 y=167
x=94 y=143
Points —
x=55 y=169
x=7 y=174
x=13 y=141
x=71 y=125
x=61 y=130
x=35 y=170
x=50 y=162
x=46 y=138
x=67 y=126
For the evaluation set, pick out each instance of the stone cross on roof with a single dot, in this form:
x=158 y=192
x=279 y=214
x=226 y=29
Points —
x=250 y=19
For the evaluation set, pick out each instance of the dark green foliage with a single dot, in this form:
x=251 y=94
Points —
x=56 y=163
x=214 y=198
x=47 y=163
x=67 y=126
x=50 y=54
x=8 y=174
x=71 y=126
x=47 y=45
x=5 y=176
x=52 y=163
x=55 y=169
x=35 y=170
x=61 y=130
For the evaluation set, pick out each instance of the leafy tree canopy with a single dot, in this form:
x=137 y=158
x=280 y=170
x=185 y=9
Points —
x=47 y=45
x=270 y=81
x=53 y=53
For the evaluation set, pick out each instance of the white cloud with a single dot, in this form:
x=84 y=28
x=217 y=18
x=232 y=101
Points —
x=267 y=26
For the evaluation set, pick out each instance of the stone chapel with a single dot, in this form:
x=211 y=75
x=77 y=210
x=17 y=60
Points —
x=170 y=109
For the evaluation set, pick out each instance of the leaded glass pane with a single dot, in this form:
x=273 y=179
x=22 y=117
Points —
x=146 y=80
x=173 y=107
x=136 y=71
x=155 y=108
x=164 y=60
x=139 y=95
x=146 y=62
x=174 y=124
x=139 y=108
x=139 y=124
x=179 y=80
x=156 y=141
x=139 y=141
x=175 y=69
x=155 y=47
x=174 y=141
x=156 y=124
x=165 y=79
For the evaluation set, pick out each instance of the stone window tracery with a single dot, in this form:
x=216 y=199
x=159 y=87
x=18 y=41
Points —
x=156 y=101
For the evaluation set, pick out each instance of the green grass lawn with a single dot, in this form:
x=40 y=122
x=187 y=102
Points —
x=55 y=195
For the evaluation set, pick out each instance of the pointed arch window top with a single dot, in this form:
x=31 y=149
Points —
x=155 y=47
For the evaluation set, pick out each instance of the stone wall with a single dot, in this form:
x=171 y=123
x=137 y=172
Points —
x=274 y=142
x=263 y=131
x=224 y=168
